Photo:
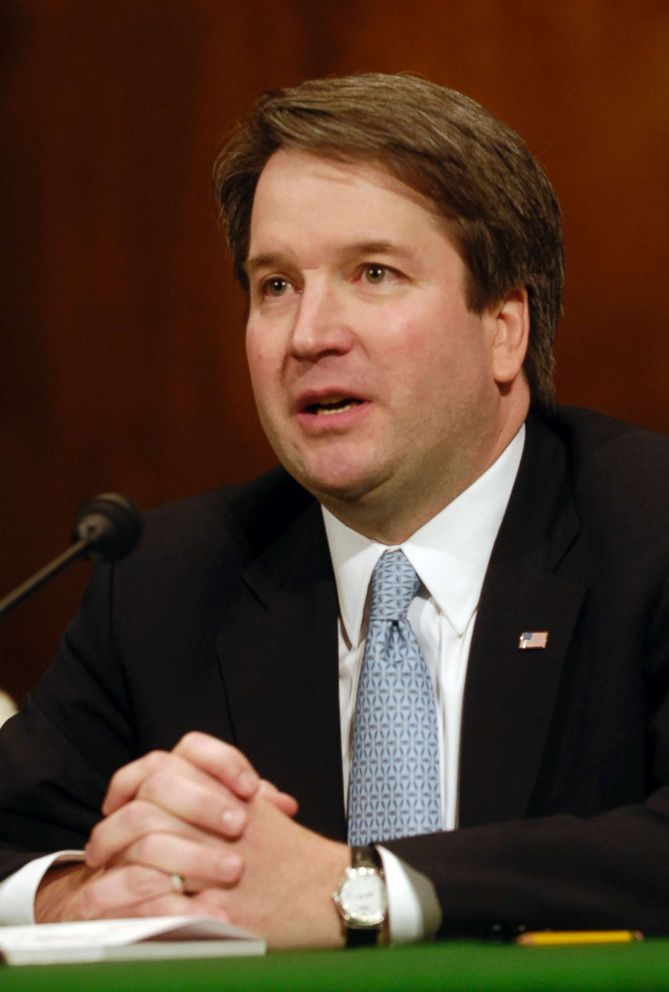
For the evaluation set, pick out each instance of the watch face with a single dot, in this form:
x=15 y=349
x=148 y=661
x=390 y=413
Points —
x=362 y=898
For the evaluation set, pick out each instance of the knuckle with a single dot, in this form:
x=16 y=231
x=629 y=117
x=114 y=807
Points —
x=190 y=741
x=197 y=743
x=137 y=815
x=155 y=760
x=145 y=849
x=142 y=881
x=157 y=785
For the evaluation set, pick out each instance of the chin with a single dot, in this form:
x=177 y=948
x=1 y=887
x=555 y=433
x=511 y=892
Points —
x=337 y=476
x=340 y=487
x=327 y=487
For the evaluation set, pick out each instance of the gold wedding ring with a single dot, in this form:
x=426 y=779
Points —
x=178 y=884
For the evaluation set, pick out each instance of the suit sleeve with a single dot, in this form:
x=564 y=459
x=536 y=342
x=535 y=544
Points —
x=58 y=753
x=136 y=669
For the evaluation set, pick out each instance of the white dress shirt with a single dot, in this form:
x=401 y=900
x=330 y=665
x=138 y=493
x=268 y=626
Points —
x=450 y=553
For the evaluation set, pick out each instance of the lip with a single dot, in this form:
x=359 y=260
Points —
x=338 y=417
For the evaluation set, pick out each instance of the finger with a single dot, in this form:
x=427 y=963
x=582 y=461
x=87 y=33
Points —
x=200 y=865
x=200 y=801
x=199 y=753
x=173 y=784
x=171 y=905
x=223 y=761
x=122 y=891
x=133 y=891
x=282 y=800
x=138 y=819
x=124 y=784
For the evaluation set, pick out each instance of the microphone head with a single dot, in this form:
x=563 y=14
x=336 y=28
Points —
x=110 y=525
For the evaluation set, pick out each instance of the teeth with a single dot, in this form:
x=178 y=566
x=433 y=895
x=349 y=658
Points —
x=334 y=406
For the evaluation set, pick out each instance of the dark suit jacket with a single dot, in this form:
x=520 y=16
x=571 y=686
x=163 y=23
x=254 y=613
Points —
x=224 y=620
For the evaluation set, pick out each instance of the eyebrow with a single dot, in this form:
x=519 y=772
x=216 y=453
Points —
x=267 y=261
x=378 y=248
x=277 y=260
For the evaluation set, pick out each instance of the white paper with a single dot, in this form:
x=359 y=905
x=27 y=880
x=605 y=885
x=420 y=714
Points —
x=103 y=940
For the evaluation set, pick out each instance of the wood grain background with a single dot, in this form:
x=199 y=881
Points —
x=121 y=357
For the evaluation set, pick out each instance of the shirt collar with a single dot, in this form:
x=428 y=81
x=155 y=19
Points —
x=450 y=552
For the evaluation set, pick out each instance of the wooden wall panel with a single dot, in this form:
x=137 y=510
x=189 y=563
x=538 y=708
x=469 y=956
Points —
x=121 y=362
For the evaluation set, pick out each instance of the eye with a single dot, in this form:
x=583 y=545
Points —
x=276 y=286
x=375 y=273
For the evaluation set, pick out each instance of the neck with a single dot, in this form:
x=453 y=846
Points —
x=392 y=512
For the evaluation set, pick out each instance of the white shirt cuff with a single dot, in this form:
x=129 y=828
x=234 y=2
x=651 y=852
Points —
x=17 y=891
x=414 y=912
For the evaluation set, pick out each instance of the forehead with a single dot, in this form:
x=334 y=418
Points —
x=299 y=190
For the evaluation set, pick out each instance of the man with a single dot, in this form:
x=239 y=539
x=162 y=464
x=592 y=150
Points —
x=401 y=253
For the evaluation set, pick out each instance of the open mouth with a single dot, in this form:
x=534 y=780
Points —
x=327 y=407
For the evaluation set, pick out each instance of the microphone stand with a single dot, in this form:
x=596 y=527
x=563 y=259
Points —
x=107 y=528
x=77 y=550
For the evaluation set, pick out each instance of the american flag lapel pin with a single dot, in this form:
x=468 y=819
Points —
x=533 y=639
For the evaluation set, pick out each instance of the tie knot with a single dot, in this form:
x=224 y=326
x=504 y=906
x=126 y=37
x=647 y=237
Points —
x=394 y=585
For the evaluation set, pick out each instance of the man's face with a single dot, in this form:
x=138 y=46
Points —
x=374 y=382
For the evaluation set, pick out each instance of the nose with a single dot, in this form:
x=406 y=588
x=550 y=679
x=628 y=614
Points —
x=321 y=325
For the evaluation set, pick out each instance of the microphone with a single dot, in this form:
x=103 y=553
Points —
x=106 y=528
x=110 y=526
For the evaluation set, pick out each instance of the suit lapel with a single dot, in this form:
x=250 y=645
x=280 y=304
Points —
x=510 y=693
x=278 y=656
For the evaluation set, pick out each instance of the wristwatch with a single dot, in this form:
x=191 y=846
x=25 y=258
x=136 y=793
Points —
x=361 y=898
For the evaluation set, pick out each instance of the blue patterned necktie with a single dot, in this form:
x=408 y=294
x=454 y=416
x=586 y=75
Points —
x=394 y=790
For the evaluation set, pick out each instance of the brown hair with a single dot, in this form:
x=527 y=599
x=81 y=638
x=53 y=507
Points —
x=500 y=209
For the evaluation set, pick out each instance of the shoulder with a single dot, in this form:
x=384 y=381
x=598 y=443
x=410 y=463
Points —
x=252 y=514
x=618 y=473
x=223 y=528
x=597 y=443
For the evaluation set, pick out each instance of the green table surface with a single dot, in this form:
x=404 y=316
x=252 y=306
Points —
x=471 y=966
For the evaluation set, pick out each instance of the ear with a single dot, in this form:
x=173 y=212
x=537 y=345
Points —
x=510 y=330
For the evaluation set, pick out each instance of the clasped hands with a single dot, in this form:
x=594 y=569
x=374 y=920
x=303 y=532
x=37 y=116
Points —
x=201 y=816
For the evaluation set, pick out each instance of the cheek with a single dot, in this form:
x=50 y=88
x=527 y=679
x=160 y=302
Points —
x=418 y=344
x=266 y=383
x=438 y=358
x=261 y=361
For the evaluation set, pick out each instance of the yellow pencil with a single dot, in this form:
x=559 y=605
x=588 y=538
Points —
x=562 y=938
